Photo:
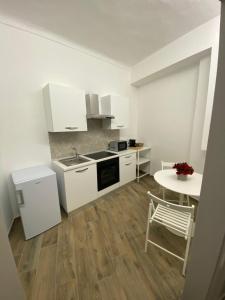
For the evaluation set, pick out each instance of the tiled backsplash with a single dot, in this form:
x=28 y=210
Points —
x=96 y=138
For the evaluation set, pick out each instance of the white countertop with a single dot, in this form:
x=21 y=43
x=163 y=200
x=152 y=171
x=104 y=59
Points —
x=84 y=164
x=124 y=152
x=93 y=161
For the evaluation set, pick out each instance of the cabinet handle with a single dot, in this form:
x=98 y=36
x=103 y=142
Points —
x=80 y=171
x=128 y=164
x=127 y=156
x=71 y=128
x=120 y=126
x=20 y=199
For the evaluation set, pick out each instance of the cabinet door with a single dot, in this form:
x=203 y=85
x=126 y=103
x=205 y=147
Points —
x=127 y=170
x=80 y=186
x=39 y=205
x=119 y=109
x=68 y=109
x=117 y=106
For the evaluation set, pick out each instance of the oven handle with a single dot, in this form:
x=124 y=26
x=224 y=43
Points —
x=80 y=171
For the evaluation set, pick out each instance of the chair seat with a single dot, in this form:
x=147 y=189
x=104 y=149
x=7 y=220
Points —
x=172 y=218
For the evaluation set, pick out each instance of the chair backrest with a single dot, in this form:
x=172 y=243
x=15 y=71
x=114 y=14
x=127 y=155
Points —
x=167 y=165
x=181 y=208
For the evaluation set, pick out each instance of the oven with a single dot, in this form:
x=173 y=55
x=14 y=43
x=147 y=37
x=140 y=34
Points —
x=108 y=173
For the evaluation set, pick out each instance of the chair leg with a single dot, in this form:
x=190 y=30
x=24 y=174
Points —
x=147 y=234
x=148 y=224
x=164 y=192
x=187 y=250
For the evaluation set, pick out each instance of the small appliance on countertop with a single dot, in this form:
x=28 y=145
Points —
x=118 y=145
x=37 y=198
x=132 y=143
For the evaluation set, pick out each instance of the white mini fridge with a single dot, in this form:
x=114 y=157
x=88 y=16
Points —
x=37 y=198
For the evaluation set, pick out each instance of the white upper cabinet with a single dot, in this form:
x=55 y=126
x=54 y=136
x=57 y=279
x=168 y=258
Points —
x=65 y=108
x=117 y=106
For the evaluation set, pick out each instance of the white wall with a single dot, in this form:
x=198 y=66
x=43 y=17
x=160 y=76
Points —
x=197 y=155
x=5 y=205
x=131 y=132
x=207 y=254
x=165 y=115
x=211 y=91
x=28 y=62
x=196 y=41
x=152 y=76
x=191 y=46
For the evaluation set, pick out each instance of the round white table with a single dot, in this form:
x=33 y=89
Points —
x=191 y=186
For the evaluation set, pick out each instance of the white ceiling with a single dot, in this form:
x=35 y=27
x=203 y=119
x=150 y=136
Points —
x=124 y=30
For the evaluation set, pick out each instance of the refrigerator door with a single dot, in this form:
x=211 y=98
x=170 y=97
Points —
x=39 y=205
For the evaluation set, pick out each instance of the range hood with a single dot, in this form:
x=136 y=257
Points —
x=93 y=106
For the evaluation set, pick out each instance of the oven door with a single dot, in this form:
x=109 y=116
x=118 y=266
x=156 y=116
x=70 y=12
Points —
x=108 y=173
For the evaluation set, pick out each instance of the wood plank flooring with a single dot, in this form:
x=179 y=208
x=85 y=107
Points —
x=97 y=252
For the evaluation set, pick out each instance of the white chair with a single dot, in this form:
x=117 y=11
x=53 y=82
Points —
x=165 y=166
x=176 y=217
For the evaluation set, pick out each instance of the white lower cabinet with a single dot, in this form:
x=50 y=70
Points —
x=127 y=168
x=77 y=187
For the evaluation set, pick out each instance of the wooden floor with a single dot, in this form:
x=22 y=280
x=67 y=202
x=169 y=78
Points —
x=97 y=252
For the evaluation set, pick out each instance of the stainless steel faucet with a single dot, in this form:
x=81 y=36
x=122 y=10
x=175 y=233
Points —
x=76 y=154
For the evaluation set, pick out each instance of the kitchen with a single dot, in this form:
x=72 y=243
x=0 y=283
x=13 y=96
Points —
x=63 y=100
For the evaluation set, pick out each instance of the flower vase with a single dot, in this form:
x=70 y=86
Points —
x=182 y=177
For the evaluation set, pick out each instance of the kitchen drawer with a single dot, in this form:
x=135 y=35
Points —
x=127 y=170
x=128 y=158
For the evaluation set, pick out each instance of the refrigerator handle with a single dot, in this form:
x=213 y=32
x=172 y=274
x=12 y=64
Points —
x=20 y=199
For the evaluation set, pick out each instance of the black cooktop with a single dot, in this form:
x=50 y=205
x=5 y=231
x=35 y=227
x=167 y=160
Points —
x=99 y=155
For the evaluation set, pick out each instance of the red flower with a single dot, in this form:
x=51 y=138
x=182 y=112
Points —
x=183 y=168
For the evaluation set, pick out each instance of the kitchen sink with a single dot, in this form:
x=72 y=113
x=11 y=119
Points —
x=71 y=161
